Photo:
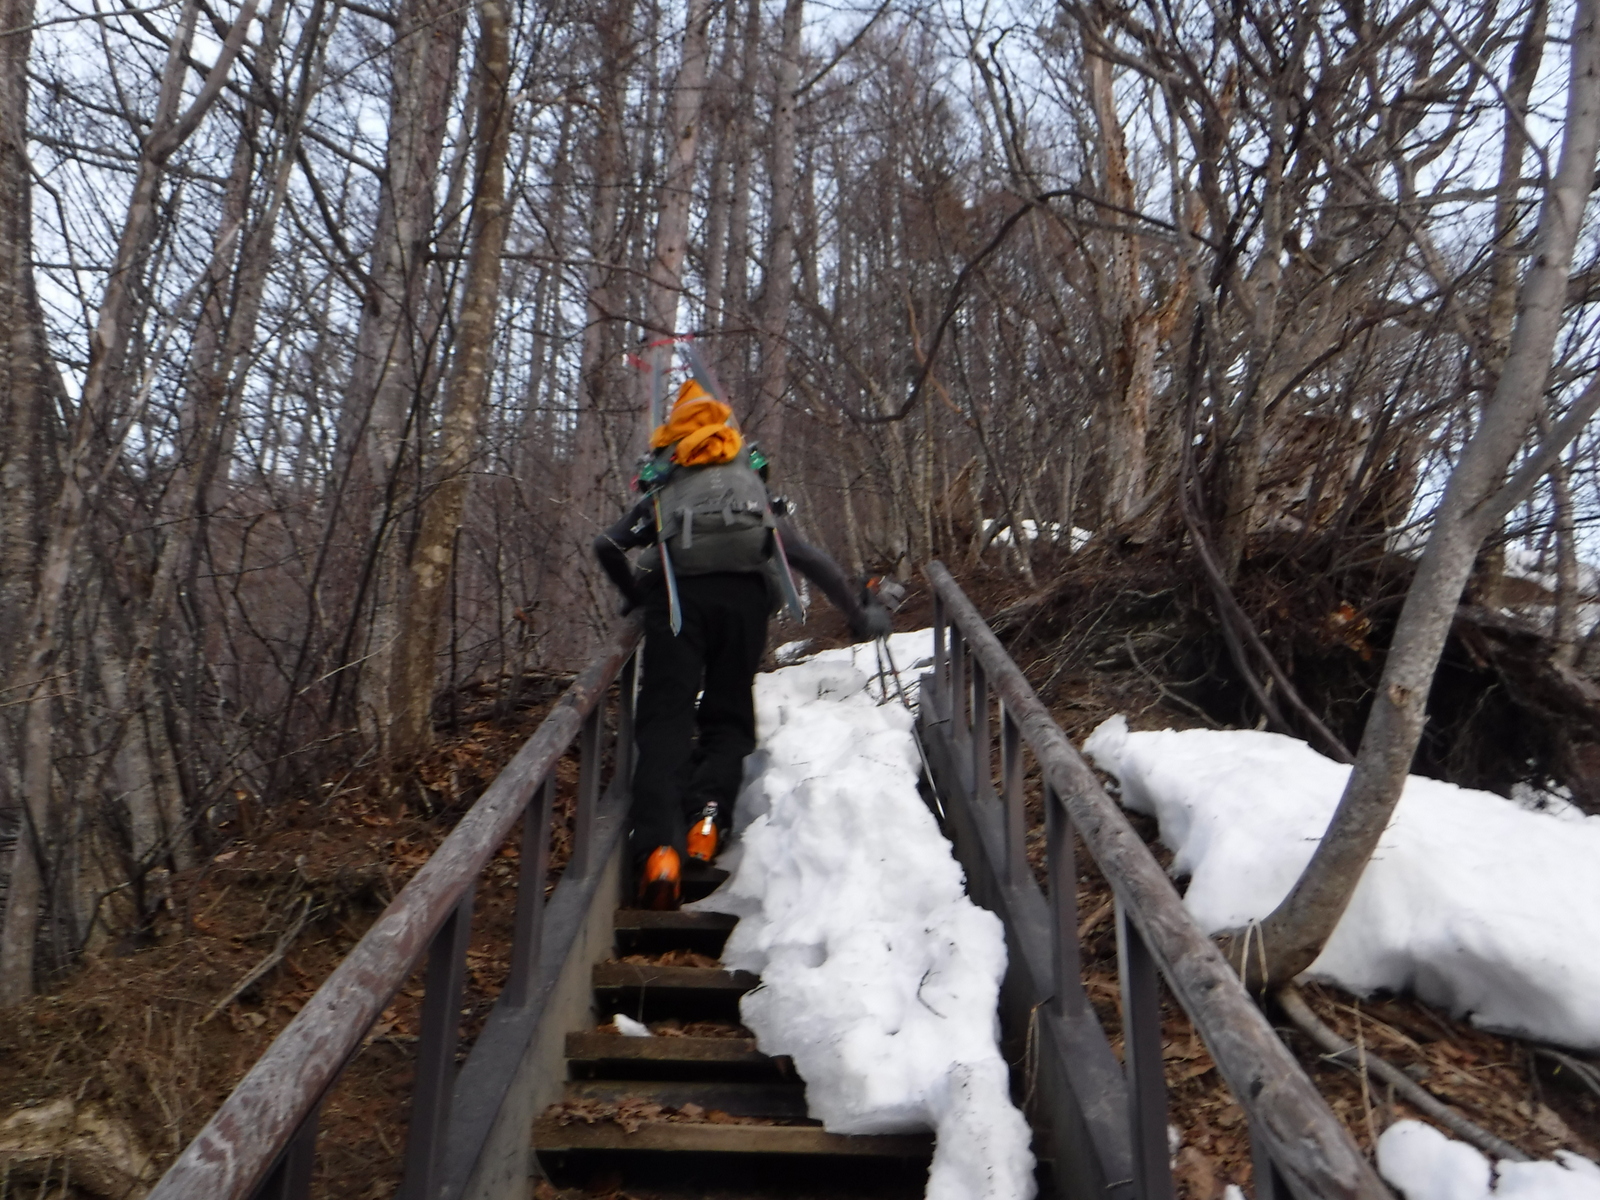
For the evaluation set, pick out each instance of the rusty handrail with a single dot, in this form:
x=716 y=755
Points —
x=1289 y=1119
x=264 y=1122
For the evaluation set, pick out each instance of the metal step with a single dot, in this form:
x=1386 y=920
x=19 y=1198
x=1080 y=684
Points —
x=784 y=1102
x=787 y=1156
x=700 y=881
x=647 y=992
x=643 y=931
x=608 y=1056
x=733 y=1155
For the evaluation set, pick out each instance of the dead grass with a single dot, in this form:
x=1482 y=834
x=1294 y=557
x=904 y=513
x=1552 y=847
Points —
x=126 y=1032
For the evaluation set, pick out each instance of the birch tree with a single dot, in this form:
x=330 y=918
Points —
x=429 y=571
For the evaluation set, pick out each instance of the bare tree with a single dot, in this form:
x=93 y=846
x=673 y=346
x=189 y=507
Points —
x=431 y=567
x=778 y=281
x=683 y=118
x=107 y=408
x=1477 y=498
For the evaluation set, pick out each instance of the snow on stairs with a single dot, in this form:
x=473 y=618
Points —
x=714 y=1089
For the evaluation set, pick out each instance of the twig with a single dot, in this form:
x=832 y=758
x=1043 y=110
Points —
x=1167 y=693
x=1336 y=1049
x=267 y=963
x=1100 y=913
x=1366 y=1086
x=1588 y=1074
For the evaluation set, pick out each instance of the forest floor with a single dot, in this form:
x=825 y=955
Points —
x=127 y=1056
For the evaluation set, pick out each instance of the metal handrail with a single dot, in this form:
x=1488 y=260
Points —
x=261 y=1141
x=1300 y=1145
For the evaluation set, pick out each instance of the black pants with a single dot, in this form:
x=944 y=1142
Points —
x=715 y=655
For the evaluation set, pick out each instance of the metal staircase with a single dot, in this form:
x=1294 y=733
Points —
x=487 y=1129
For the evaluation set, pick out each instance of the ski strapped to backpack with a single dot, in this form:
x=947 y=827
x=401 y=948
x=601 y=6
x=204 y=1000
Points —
x=674 y=607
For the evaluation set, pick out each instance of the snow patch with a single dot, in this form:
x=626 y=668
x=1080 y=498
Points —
x=1472 y=902
x=1426 y=1165
x=1538 y=566
x=1032 y=531
x=792 y=652
x=879 y=977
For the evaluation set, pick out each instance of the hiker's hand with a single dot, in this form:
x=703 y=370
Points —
x=873 y=622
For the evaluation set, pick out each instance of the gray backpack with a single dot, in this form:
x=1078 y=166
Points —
x=716 y=518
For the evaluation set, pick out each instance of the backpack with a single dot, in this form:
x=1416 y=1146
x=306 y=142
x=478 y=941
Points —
x=714 y=518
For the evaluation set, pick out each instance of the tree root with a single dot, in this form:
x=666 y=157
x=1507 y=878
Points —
x=1336 y=1049
x=267 y=963
x=1588 y=1073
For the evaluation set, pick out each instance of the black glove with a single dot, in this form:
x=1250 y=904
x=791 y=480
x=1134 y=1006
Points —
x=873 y=622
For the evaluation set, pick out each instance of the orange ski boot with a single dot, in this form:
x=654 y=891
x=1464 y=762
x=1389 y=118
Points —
x=704 y=835
x=660 y=881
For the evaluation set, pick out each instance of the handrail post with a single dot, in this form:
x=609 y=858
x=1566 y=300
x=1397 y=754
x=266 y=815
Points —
x=583 y=811
x=244 y=1149
x=290 y=1177
x=1011 y=797
x=982 y=782
x=1141 y=1050
x=1063 y=903
x=959 y=728
x=1269 y=1181
x=526 y=941
x=622 y=760
x=941 y=659
x=436 y=1053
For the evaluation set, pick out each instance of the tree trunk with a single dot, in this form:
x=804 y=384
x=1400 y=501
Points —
x=425 y=585
x=105 y=415
x=777 y=289
x=1503 y=272
x=1564 y=630
x=1476 y=498
x=386 y=394
x=28 y=465
x=598 y=384
x=222 y=338
x=733 y=354
x=665 y=287
x=27 y=475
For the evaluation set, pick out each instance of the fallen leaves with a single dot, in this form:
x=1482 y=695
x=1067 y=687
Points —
x=633 y=1112
x=671 y=958
x=673 y=1027
x=1485 y=1076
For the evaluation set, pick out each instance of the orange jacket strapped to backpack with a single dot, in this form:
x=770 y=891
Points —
x=700 y=426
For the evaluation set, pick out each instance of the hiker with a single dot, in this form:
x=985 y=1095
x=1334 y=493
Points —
x=722 y=575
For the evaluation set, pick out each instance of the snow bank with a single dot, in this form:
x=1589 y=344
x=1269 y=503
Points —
x=1539 y=567
x=1424 y=1164
x=1472 y=902
x=878 y=975
x=1032 y=531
